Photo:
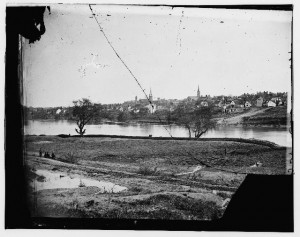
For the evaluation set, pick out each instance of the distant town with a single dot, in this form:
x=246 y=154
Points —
x=147 y=109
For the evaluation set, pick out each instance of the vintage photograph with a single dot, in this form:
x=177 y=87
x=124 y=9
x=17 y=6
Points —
x=144 y=112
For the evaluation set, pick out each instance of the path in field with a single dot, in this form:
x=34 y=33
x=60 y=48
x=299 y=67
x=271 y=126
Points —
x=239 y=118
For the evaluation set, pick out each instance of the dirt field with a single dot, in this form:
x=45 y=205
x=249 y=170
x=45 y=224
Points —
x=238 y=119
x=161 y=179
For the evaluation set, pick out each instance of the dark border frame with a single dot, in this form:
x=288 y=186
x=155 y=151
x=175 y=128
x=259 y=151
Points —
x=279 y=210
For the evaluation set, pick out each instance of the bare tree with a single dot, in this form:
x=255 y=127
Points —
x=202 y=121
x=83 y=111
x=196 y=120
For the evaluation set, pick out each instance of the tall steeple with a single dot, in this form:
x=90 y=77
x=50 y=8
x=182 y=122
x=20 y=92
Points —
x=150 y=96
x=198 y=92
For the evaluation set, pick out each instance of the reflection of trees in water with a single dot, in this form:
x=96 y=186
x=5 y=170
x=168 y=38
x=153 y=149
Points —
x=148 y=128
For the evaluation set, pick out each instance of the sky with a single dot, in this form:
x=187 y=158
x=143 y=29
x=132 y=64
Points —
x=171 y=51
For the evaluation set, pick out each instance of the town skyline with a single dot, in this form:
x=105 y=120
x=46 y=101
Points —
x=159 y=98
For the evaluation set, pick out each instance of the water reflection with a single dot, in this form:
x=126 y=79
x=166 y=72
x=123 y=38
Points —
x=52 y=180
x=280 y=136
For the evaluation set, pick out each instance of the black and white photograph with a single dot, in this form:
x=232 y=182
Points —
x=162 y=117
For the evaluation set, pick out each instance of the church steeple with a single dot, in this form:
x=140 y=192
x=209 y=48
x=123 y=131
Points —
x=198 y=92
x=150 y=96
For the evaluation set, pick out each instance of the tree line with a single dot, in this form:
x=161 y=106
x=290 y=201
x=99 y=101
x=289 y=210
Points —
x=197 y=120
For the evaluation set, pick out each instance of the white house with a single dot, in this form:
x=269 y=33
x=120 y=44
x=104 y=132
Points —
x=276 y=98
x=204 y=103
x=58 y=111
x=247 y=104
x=151 y=108
x=271 y=104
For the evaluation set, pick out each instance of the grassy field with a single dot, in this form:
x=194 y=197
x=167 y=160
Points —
x=158 y=175
x=277 y=116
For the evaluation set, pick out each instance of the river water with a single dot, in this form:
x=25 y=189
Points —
x=53 y=180
x=279 y=136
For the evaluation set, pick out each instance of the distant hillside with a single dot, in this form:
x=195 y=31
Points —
x=276 y=116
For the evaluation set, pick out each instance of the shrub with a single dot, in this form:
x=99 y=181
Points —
x=71 y=157
x=147 y=171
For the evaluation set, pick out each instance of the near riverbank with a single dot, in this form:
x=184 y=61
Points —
x=163 y=179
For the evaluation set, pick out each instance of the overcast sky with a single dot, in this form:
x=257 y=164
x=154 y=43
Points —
x=171 y=51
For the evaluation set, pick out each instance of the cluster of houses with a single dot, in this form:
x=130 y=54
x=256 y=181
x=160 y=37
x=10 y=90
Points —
x=149 y=105
x=239 y=104
x=227 y=104
x=46 y=113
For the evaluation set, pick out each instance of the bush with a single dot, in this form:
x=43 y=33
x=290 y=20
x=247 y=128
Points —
x=71 y=157
x=147 y=171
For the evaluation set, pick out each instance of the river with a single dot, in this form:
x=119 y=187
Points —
x=279 y=136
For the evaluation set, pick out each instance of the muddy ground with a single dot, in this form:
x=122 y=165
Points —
x=185 y=180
